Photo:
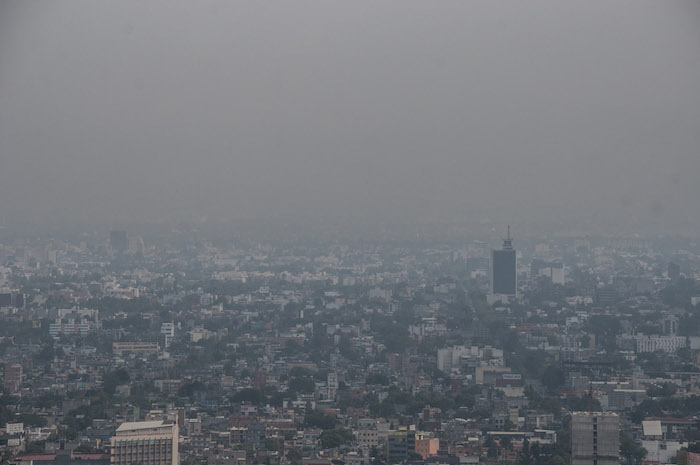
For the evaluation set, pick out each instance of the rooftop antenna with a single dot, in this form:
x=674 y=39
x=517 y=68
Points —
x=508 y=242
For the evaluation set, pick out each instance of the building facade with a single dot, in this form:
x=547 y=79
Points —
x=13 y=377
x=503 y=269
x=595 y=438
x=146 y=443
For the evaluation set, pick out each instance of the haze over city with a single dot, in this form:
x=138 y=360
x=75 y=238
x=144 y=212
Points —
x=571 y=115
x=391 y=232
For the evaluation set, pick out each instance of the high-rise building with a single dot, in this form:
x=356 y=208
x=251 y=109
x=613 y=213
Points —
x=118 y=241
x=503 y=263
x=595 y=438
x=13 y=377
x=145 y=442
x=332 y=384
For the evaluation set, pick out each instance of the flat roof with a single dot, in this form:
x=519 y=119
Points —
x=35 y=457
x=595 y=414
x=652 y=428
x=137 y=425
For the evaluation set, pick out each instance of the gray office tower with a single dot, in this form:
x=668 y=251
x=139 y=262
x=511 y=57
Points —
x=503 y=277
x=595 y=438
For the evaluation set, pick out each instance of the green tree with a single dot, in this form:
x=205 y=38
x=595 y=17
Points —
x=114 y=378
x=302 y=384
x=333 y=438
x=316 y=419
x=36 y=447
x=631 y=452
x=553 y=378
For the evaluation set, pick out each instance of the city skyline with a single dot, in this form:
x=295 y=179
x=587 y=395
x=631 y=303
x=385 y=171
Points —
x=349 y=233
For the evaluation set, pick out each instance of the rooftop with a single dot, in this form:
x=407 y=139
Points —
x=595 y=414
x=652 y=428
x=137 y=425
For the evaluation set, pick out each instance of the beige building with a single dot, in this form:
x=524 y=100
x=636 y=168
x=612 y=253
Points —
x=145 y=443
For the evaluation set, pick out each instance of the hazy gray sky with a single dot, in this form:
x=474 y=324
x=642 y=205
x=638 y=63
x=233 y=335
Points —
x=576 y=110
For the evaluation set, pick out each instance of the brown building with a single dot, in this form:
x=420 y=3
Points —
x=427 y=447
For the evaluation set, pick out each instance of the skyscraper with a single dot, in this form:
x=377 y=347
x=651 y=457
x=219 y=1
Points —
x=595 y=438
x=503 y=263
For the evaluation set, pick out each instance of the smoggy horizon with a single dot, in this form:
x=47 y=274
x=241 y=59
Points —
x=559 y=116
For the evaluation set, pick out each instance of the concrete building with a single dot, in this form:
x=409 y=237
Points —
x=145 y=442
x=653 y=343
x=61 y=458
x=13 y=377
x=400 y=442
x=120 y=348
x=14 y=428
x=256 y=434
x=168 y=332
x=449 y=358
x=69 y=327
x=367 y=438
x=595 y=438
x=332 y=384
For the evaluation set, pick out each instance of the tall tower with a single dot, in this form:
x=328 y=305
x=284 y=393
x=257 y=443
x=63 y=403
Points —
x=595 y=438
x=503 y=264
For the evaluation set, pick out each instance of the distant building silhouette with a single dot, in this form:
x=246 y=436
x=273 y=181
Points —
x=674 y=271
x=503 y=269
x=12 y=377
x=118 y=241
